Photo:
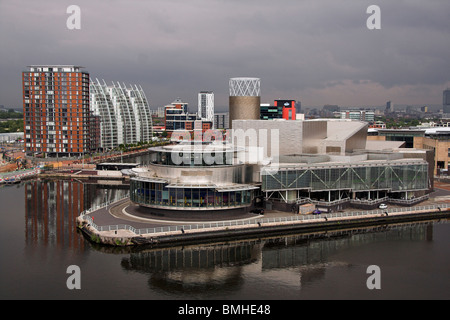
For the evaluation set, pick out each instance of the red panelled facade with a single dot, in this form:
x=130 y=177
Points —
x=288 y=108
x=57 y=117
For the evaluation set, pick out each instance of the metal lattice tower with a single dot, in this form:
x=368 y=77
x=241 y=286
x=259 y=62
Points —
x=245 y=87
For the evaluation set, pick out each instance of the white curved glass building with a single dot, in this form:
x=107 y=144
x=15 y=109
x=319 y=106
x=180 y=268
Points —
x=124 y=112
x=102 y=106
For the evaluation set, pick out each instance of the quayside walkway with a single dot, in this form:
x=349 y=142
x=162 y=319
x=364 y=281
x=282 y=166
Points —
x=122 y=223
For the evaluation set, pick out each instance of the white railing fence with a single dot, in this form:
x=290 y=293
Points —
x=258 y=221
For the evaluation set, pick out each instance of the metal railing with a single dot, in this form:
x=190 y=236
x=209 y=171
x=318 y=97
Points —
x=369 y=202
x=102 y=205
x=409 y=201
x=330 y=203
x=256 y=221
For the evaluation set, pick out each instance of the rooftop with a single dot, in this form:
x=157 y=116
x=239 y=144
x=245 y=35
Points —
x=60 y=68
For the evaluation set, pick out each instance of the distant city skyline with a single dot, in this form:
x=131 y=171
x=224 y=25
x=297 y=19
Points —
x=316 y=52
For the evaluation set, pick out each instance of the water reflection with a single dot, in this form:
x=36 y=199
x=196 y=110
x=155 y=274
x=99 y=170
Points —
x=198 y=268
x=52 y=206
x=315 y=249
x=283 y=267
x=220 y=267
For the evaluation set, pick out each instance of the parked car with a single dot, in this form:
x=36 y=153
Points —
x=257 y=211
x=317 y=211
x=382 y=206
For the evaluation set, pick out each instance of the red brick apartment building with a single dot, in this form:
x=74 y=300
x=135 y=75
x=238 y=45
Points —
x=57 y=116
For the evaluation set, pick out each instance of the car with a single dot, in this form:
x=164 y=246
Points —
x=382 y=206
x=317 y=212
x=258 y=211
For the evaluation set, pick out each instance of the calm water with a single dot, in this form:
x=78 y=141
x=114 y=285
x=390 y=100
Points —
x=38 y=241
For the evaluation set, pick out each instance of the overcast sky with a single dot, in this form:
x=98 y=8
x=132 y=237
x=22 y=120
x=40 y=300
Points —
x=318 y=52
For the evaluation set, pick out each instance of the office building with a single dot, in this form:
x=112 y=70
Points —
x=159 y=113
x=360 y=115
x=176 y=115
x=244 y=99
x=221 y=120
x=178 y=119
x=288 y=108
x=269 y=112
x=389 y=106
x=446 y=101
x=57 y=117
x=298 y=107
x=124 y=113
x=407 y=136
x=206 y=105
x=281 y=109
x=436 y=139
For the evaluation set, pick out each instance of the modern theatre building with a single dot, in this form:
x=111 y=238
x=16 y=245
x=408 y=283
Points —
x=194 y=177
x=282 y=164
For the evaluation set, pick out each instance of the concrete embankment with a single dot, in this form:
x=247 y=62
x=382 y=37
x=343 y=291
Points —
x=123 y=237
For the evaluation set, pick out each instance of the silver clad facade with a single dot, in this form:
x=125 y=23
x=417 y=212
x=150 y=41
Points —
x=285 y=164
x=284 y=137
x=187 y=177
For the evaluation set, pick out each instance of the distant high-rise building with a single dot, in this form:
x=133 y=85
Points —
x=124 y=113
x=221 y=120
x=298 y=107
x=245 y=99
x=446 y=101
x=158 y=113
x=389 y=106
x=206 y=105
x=57 y=117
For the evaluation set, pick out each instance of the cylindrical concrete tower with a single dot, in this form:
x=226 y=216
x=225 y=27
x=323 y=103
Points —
x=245 y=99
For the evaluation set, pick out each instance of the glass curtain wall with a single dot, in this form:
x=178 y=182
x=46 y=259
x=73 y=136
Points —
x=394 y=178
x=157 y=194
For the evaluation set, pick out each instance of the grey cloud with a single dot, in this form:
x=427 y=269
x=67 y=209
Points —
x=177 y=48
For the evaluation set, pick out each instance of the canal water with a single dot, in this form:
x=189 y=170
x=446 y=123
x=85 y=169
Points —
x=39 y=241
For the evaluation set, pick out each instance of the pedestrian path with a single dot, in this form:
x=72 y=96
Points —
x=124 y=212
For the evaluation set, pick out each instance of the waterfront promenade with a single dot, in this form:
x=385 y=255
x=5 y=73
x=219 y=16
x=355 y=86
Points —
x=123 y=223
